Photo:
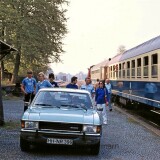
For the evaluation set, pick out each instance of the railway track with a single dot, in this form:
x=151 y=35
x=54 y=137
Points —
x=149 y=116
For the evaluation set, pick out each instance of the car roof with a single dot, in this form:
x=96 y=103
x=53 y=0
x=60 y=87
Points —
x=65 y=90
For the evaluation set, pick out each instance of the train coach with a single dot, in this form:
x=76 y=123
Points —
x=134 y=75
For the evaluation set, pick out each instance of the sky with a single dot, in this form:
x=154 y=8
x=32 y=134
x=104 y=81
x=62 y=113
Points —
x=96 y=28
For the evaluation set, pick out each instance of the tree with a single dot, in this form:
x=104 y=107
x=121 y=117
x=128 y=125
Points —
x=121 y=49
x=36 y=28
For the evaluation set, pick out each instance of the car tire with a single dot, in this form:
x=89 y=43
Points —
x=24 y=145
x=94 y=149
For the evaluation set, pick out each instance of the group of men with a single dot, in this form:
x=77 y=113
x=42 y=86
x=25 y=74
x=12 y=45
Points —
x=30 y=86
x=100 y=92
x=92 y=88
x=87 y=86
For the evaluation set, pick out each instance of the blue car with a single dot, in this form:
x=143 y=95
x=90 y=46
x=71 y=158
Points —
x=61 y=116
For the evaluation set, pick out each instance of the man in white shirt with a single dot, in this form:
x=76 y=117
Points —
x=109 y=88
x=88 y=86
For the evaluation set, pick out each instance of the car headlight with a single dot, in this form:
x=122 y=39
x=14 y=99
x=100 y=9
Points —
x=29 y=124
x=91 y=129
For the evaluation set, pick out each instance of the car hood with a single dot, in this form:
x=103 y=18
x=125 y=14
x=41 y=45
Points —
x=62 y=115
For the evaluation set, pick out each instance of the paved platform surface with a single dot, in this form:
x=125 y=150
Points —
x=123 y=139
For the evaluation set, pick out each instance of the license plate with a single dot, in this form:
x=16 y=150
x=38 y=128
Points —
x=59 y=141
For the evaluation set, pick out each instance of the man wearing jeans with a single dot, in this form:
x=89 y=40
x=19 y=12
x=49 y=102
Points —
x=109 y=88
x=28 y=87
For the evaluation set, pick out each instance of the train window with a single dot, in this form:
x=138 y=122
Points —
x=133 y=69
x=114 y=73
x=133 y=63
x=154 y=59
x=154 y=66
x=123 y=70
x=145 y=61
x=139 y=62
x=123 y=65
x=139 y=68
x=128 y=64
x=145 y=67
x=116 y=70
x=128 y=69
x=119 y=70
x=110 y=73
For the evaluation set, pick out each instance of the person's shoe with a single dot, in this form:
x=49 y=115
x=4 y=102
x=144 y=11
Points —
x=105 y=122
x=110 y=110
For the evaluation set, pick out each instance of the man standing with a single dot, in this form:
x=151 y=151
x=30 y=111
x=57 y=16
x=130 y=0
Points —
x=28 y=87
x=51 y=80
x=73 y=83
x=109 y=88
x=96 y=84
x=88 y=86
x=42 y=83
x=101 y=99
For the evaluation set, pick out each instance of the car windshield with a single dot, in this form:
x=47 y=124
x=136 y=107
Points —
x=51 y=99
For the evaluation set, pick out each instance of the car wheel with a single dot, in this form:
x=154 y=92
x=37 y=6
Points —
x=95 y=149
x=24 y=145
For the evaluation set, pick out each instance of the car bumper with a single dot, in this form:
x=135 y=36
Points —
x=40 y=137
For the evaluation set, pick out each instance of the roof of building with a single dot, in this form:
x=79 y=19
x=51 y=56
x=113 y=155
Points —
x=99 y=65
x=4 y=47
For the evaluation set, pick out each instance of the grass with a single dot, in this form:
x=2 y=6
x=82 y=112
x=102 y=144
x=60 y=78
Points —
x=131 y=120
x=10 y=97
x=10 y=125
x=11 y=93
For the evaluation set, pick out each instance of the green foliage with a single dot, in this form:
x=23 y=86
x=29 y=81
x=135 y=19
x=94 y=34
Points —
x=10 y=125
x=3 y=92
x=36 y=28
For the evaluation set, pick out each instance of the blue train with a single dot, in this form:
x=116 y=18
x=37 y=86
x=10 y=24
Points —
x=134 y=75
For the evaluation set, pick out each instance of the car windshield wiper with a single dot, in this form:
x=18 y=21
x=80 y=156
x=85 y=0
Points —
x=74 y=106
x=42 y=104
x=46 y=105
x=84 y=107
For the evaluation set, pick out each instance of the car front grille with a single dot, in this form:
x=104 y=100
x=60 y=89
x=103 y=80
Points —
x=60 y=126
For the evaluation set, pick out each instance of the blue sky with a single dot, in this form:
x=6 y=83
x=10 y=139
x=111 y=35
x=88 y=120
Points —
x=98 y=27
